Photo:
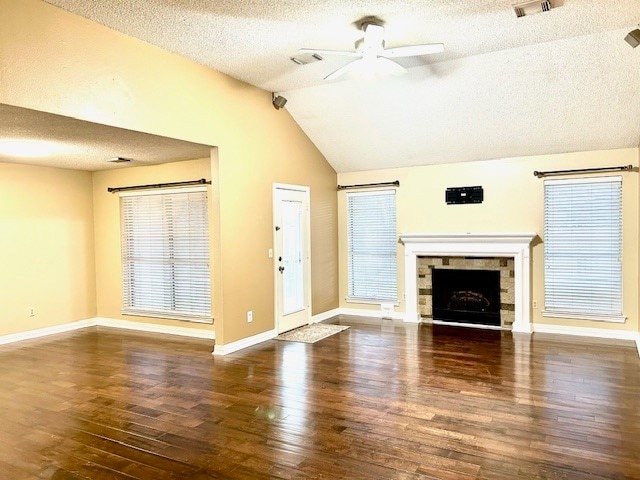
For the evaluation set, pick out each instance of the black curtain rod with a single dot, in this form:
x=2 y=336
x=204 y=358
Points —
x=395 y=183
x=627 y=168
x=202 y=181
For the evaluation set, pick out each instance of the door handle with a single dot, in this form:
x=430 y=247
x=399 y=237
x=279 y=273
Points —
x=281 y=268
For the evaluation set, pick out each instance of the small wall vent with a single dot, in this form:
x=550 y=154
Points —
x=529 y=7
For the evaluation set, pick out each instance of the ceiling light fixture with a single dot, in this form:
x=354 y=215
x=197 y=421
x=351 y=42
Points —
x=633 y=38
x=24 y=148
x=372 y=58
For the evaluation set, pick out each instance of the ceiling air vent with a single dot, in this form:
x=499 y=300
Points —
x=118 y=160
x=529 y=7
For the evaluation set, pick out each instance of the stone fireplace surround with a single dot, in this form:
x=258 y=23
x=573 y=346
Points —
x=510 y=245
x=503 y=265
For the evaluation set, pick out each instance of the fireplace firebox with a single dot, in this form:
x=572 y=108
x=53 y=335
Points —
x=466 y=296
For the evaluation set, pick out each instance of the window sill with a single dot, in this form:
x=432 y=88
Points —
x=168 y=315
x=585 y=316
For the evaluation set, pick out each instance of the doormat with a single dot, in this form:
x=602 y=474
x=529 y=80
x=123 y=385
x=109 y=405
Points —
x=311 y=333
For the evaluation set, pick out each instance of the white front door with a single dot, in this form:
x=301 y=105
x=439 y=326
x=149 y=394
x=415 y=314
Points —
x=292 y=262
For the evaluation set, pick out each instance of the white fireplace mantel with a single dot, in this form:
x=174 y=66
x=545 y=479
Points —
x=514 y=245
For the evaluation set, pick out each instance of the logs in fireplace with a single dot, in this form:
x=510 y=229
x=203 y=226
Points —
x=466 y=296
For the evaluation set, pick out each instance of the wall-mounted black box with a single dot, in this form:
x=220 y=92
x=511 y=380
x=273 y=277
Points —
x=459 y=195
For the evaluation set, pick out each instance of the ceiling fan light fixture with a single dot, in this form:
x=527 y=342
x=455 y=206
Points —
x=372 y=59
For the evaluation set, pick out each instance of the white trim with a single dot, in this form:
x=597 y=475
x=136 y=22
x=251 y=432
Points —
x=514 y=245
x=208 y=334
x=587 y=332
x=46 y=331
x=228 y=348
x=467 y=325
x=638 y=346
x=170 y=315
x=468 y=237
x=321 y=317
x=291 y=186
x=356 y=312
x=107 y=322
x=585 y=316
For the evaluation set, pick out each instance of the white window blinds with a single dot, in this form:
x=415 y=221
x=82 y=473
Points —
x=583 y=248
x=165 y=254
x=371 y=231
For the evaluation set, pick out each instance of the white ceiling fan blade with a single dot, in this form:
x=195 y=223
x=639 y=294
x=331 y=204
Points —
x=385 y=66
x=413 y=50
x=373 y=35
x=344 y=70
x=342 y=53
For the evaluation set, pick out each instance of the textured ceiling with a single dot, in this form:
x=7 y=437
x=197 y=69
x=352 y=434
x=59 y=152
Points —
x=560 y=81
x=86 y=146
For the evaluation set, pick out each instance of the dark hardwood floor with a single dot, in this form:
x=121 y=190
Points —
x=379 y=400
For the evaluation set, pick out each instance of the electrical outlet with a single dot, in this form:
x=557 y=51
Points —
x=32 y=312
x=249 y=316
x=535 y=304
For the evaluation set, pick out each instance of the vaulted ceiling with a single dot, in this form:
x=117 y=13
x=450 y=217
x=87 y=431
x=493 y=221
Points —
x=563 y=80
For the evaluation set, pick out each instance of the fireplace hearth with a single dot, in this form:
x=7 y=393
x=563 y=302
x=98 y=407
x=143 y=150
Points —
x=466 y=296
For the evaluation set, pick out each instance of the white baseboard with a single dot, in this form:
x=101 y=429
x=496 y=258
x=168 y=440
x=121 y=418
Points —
x=321 y=317
x=588 y=332
x=107 y=322
x=207 y=334
x=46 y=331
x=268 y=335
x=244 y=343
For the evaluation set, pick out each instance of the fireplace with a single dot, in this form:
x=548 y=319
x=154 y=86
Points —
x=474 y=281
x=466 y=296
x=515 y=246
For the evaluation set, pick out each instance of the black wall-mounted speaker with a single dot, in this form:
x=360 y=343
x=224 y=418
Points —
x=461 y=195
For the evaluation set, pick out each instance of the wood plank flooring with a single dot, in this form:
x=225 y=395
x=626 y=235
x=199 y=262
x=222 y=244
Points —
x=380 y=400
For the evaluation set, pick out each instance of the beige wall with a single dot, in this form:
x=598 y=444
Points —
x=46 y=240
x=56 y=62
x=513 y=202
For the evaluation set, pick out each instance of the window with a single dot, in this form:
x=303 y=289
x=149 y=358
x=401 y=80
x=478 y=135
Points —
x=583 y=248
x=371 y=232
x=165 y=254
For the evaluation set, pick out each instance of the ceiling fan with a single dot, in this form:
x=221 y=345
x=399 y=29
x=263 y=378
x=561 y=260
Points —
x=373 y=57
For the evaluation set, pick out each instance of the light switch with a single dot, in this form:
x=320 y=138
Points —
x=271 y=253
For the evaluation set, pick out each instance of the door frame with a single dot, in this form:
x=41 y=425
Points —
x=307 y=264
